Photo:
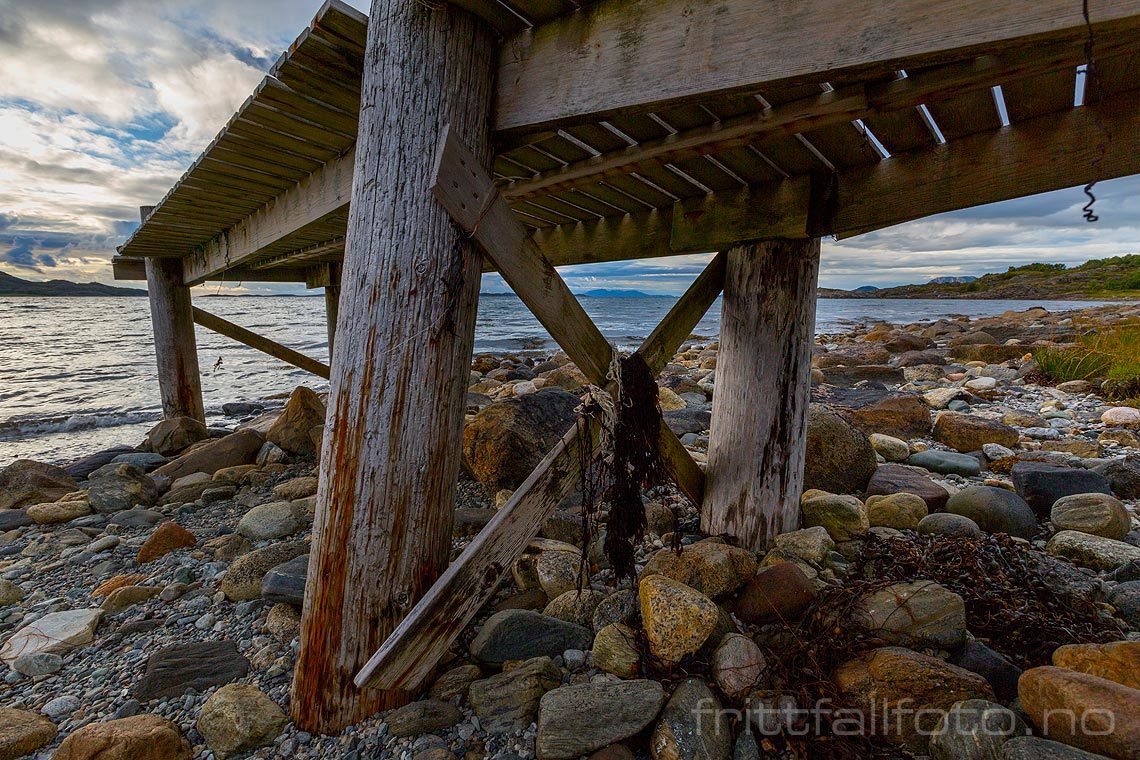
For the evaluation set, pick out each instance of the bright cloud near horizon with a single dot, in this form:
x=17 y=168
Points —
x=104 y=103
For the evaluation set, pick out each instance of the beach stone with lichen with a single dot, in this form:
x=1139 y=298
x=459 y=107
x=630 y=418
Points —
x=677 y=619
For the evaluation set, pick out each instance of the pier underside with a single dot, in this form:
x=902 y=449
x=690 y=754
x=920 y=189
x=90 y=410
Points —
x=557 y=133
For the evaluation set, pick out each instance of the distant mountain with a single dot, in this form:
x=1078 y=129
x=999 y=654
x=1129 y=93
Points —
x=609 y=293
x=14 y=286
x=865 y=289
x=1116 y=278
x=951 y=280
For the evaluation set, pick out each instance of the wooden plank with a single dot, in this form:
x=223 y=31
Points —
x=406 y=659
x=638 y=56
x=260 y=342
x=1041 y=94
x=135 y=269
x=324 y=192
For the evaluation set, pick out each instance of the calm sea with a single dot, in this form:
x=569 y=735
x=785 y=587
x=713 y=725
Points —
x=77 y=374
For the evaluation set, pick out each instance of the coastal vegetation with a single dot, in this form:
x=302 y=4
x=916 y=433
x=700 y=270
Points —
x=1113 y=278
x=1108 y=355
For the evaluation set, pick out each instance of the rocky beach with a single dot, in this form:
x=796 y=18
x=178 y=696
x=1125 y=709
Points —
x=967 y=577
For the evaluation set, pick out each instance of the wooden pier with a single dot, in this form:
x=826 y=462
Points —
x=392 y=162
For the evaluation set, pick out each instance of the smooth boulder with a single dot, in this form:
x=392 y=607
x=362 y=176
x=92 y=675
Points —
x=839 y=457
x=995 y=510
x=506 y=440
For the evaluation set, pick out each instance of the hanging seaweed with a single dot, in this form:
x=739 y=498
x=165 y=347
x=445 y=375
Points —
x=628 y=458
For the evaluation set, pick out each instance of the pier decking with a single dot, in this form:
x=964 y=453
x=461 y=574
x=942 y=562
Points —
x=392 y=161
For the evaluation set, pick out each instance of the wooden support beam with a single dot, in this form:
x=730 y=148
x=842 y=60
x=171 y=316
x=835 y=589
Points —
x=260 y=342
x=763 y=378
x=468 y=193
x=385 y=503
x=124 y=268
x=408 y=657
x=171 y=317
x=615 y=55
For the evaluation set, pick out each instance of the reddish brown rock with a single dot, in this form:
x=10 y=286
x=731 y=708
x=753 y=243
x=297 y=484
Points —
x=900 y=478
x=142 y=737
x=966 y=432
x=902 y=694
x=175 y=434
x=1082 y=710
x=166 y=538
x=1117 y=661
x=303 y=411
x=213 y=455
x=778 y=592
x=25 y=482
x=114 y=584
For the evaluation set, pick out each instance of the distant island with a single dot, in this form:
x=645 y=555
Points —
x=1116 y=278
x=14 y=286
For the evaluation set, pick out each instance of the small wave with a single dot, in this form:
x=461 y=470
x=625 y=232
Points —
x=32 y=426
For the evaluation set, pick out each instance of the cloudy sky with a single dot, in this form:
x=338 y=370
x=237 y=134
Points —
x=103 y=103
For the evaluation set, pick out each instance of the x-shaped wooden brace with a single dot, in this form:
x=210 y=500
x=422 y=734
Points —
x=408 y=656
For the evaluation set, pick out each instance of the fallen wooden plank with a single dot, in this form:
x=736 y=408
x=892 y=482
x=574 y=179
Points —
x=261 y=343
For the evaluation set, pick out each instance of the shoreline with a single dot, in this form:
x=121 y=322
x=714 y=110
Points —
x=196 y=556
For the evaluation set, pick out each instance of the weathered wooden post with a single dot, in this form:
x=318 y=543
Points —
x=410 y=285
x=332 y=310
x=763 y=380
x=172 y=319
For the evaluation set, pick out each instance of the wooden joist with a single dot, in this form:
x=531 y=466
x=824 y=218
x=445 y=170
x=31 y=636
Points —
x=1049 y=152
x=639 y=56
x=408 y=657
x=260 y=342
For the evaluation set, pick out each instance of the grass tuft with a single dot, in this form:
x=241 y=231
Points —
x=1100 y=355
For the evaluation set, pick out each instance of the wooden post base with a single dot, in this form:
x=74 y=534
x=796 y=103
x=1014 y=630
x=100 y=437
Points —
x=760 y=402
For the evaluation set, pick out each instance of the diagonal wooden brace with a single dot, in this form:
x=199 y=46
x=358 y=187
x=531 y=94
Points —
x=408 y=656
x=469 y=195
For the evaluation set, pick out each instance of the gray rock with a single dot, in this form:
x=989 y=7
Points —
x=61 y=707
x=946 y=462
x=38 y=664
x=172 y=670
x=839 y=458
x=693 y=726
x=144 y=460
x=946 y=524
x=1126 y=599
x=682 y=421
x=576 y=720
x=901 y=478
x=1035 y=748
x=1123 y=476
x=974 y=729
x=523 y=634
x=621 y=606
x=999 y=672
x=14 y=518
x=1091 y=551
x=274 y=520
x=508 y=701
x=116 y=487
x=995 y=510
x=920 y=615
x=423 y=717
x=137 y=518
x=1042 y=484
x=286 y=582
